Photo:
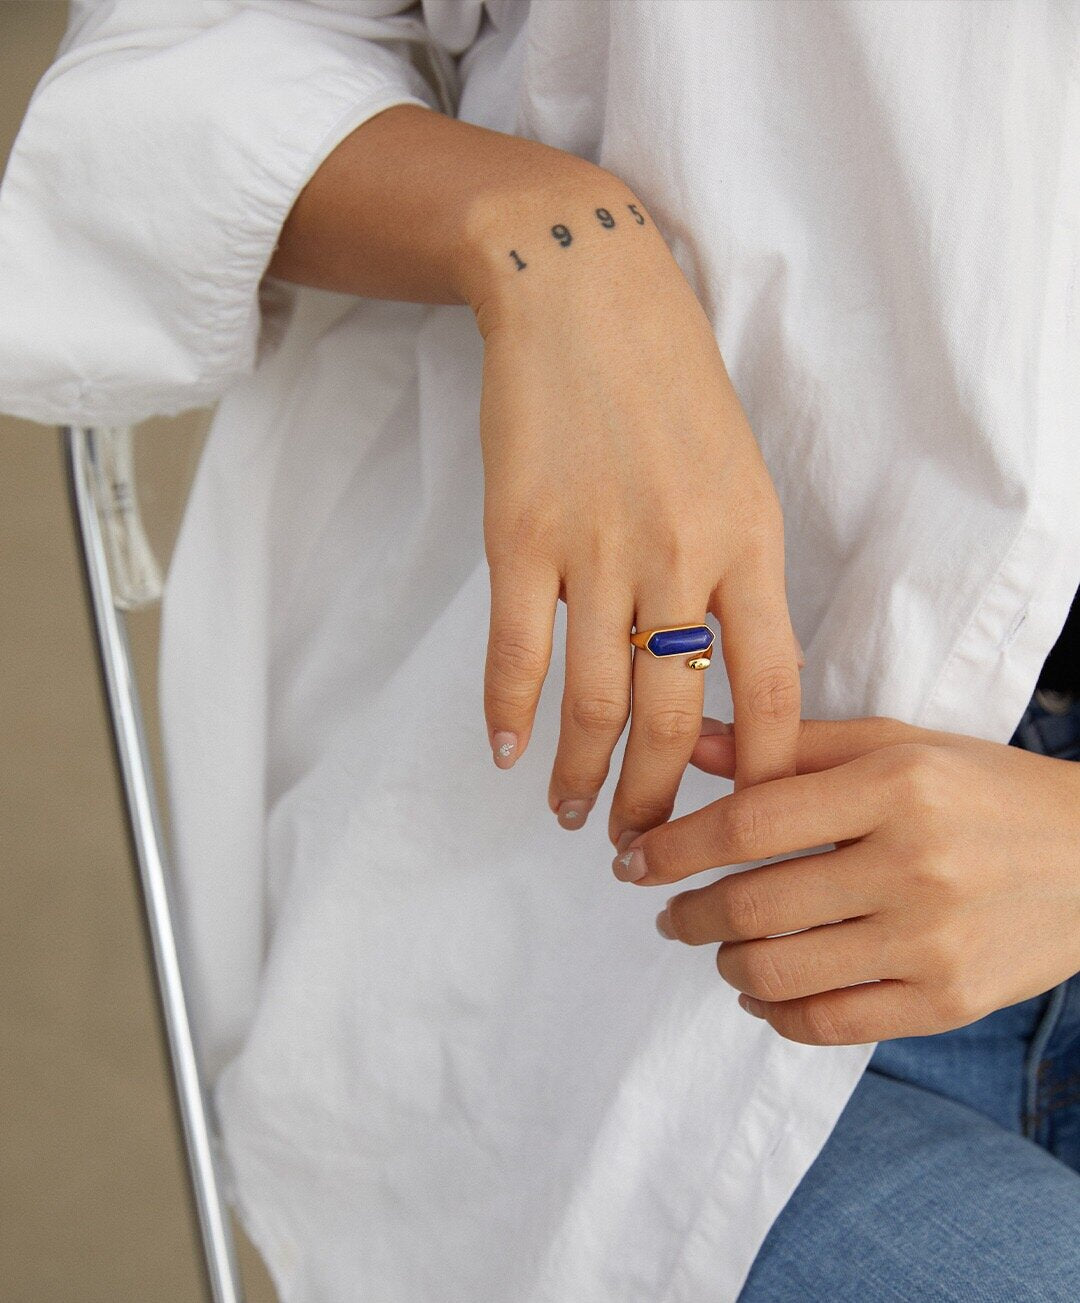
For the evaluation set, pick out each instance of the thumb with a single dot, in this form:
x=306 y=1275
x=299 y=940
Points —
x=821 y=743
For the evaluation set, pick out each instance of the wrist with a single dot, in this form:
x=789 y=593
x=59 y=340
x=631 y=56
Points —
x=525 y=247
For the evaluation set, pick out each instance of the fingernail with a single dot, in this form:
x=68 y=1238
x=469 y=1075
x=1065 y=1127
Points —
x=572 y=814
x=630 y=865
x=663 y=925
x=625 y=838
x=752 y=1007
x=504 y=749
x=715 y=727
x=800 y=655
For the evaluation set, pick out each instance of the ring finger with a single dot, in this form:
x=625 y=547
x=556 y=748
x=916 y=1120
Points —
x=665 y=721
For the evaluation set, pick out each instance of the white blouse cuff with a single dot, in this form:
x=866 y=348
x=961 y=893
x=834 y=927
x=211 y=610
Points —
x=144 y=199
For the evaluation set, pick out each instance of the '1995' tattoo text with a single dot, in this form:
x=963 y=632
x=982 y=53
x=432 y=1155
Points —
x=561 y=234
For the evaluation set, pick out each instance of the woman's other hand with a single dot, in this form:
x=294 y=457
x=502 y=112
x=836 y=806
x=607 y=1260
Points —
x=954 y=888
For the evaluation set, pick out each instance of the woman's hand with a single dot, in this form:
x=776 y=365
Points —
x=954 y=889
x=622 y=476
x=620 y=471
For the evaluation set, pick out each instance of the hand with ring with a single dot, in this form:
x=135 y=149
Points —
x=622 y=477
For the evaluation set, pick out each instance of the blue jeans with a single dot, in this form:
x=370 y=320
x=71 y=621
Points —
x=953 y=1175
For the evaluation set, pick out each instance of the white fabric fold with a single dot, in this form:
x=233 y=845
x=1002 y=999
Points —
x=146 y=190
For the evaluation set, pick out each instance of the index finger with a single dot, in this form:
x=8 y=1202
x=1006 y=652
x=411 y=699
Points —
x=773 y=818
x=758 y=646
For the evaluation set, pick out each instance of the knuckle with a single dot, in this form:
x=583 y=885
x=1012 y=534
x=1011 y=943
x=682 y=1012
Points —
x=943 y=960
x=886 y=726
x=672 y=552
x=526 y=533
x=640 y=812
x=761 y=533
x=764 y=975
x=515 y=660
x=738 y=906
x=920 y=774
x=744 y=823
x=934 y=874
x=773 y=694
x=673 y=729
x=955 y=1004
x=935 y=951
x=818 y=1024
x=922 y=866
x=577 y=780
x=599 y=716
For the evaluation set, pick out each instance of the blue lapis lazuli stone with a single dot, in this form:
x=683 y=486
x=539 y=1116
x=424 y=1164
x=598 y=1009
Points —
x=674 y=642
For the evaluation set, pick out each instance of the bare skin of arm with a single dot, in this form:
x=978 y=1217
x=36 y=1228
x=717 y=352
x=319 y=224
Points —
x=394 y=211
x=621 y=473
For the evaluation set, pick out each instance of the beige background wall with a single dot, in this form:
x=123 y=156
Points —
x=93 y=1198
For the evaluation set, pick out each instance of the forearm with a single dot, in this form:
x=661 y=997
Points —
x=418 y=206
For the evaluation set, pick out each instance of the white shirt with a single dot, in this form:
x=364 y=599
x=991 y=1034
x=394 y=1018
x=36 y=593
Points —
x=453 y=1060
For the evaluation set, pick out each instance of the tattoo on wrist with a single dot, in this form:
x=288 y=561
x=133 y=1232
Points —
x=562 y=234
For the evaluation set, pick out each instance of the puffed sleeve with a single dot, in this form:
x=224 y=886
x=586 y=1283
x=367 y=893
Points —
x=156 y=164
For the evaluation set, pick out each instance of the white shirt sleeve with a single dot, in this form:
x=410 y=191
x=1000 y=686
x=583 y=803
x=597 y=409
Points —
x=147 y=187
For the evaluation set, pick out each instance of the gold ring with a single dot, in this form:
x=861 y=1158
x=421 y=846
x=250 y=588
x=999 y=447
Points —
x=677 y=640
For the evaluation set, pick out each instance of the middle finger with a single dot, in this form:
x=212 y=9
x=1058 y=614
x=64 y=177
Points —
x=808 y=963
x=802 y=892
x=596 y=693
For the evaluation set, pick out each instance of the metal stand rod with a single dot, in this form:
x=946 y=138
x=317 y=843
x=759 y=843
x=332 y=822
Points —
x=80 y=449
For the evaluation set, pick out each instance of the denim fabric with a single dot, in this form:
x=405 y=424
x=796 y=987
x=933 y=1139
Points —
x=952 y=1175
x=1052 y=728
